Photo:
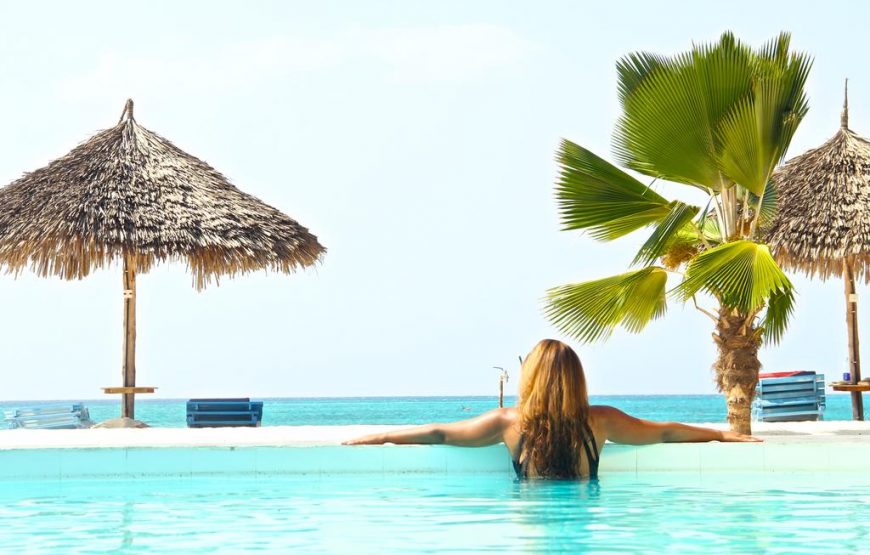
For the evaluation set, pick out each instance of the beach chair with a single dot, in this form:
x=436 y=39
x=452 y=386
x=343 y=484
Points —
x=790 y=396
x=49 y=417
x=219 y=413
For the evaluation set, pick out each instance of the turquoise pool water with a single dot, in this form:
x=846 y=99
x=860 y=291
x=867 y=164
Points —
x=418 y=410
x=651 y=513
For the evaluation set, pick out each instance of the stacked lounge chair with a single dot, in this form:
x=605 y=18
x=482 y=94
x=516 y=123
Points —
x=221 y=413
x=790 y=396
x=49 y=417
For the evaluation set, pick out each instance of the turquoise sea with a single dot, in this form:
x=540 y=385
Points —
x=419 y=410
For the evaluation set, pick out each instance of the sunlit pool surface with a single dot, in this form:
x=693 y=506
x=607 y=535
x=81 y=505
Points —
x=724 y=513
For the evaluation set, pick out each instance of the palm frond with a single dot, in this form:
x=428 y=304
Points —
x=757 y=132
x=670 y=117
x=710 y=229
x=708 y=226
x=705 y=231
x=597 y=196
x=741 y=274
x=776 y=49
x=724 y=72
x=779 y=309
x=634 y=68
x=767 y=205
x=591 y=310
x=666 y=232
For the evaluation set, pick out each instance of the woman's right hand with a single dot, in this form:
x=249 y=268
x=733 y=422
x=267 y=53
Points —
x=622 y=428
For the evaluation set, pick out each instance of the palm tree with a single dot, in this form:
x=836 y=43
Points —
x=719 y=118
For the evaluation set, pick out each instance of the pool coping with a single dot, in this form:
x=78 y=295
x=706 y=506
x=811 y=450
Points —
x=706 y=459
x=819 y=447
x=289 y=436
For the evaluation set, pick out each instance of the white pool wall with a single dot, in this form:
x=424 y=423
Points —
x=819 y=447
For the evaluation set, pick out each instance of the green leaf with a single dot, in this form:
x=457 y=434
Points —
x=597 y=196
x=716 y=115
x=633 y=69
x=705 y=231
x=666 y=232
x=591 y=310
x=741 y=274
x=708 y=226
x=670 y=118
x=757 y=132
x=768 y=205
x=779 y=309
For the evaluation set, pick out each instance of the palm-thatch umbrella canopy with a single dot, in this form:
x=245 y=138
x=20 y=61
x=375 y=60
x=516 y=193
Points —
x=129 y=194
x=823 y=223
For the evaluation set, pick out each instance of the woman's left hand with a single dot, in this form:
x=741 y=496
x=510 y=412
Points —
x=373 y=439
x=734 y=436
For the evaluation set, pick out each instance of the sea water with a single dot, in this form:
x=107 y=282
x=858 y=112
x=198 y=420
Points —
x=419 y=410
x=419 y=513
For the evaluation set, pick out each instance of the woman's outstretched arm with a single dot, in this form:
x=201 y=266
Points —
x=622 y=428
x=486 y=429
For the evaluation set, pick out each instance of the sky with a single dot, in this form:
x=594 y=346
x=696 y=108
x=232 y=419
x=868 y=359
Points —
x=417 y=141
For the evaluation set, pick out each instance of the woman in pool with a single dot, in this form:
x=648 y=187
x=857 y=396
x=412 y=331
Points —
x=553 y=432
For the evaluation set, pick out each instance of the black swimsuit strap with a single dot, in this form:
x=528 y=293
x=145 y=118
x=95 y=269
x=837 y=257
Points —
x=591 y=437
x=593 y=460
x=521 y=468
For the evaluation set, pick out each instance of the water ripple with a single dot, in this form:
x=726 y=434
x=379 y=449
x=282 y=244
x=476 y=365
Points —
x=423 y=514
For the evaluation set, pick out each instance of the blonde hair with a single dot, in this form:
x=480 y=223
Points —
x=554 y=410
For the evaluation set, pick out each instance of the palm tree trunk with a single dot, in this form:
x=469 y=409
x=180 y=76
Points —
x=737 y=366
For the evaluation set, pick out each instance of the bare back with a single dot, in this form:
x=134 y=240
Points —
x=512 y=436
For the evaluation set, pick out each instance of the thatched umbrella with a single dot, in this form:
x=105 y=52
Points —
x=823 y=223
x=128 y=194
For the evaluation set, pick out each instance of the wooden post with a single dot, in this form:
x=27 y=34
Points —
x=852 y=327
x=502 y=377
x=501 y=391
x=129 y=364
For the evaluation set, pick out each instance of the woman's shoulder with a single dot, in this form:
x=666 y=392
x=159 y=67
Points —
x=507 y=414
x=507 y=417
x=603 y=410
x=604 y=413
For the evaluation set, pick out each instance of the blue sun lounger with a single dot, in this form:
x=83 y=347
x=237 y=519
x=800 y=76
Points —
x=219 y=413
x=48 y=417
x=790 y=397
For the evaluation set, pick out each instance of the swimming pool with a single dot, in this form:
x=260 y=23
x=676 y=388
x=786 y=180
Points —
x=779 y=496
x=365 y=513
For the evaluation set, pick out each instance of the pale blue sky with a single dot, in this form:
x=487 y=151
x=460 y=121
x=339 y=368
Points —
x=416 y=140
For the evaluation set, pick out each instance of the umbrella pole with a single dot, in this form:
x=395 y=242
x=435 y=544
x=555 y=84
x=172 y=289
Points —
x=129 y=367
x=852 y=326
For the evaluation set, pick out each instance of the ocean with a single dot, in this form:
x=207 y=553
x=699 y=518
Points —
x=342 y=411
